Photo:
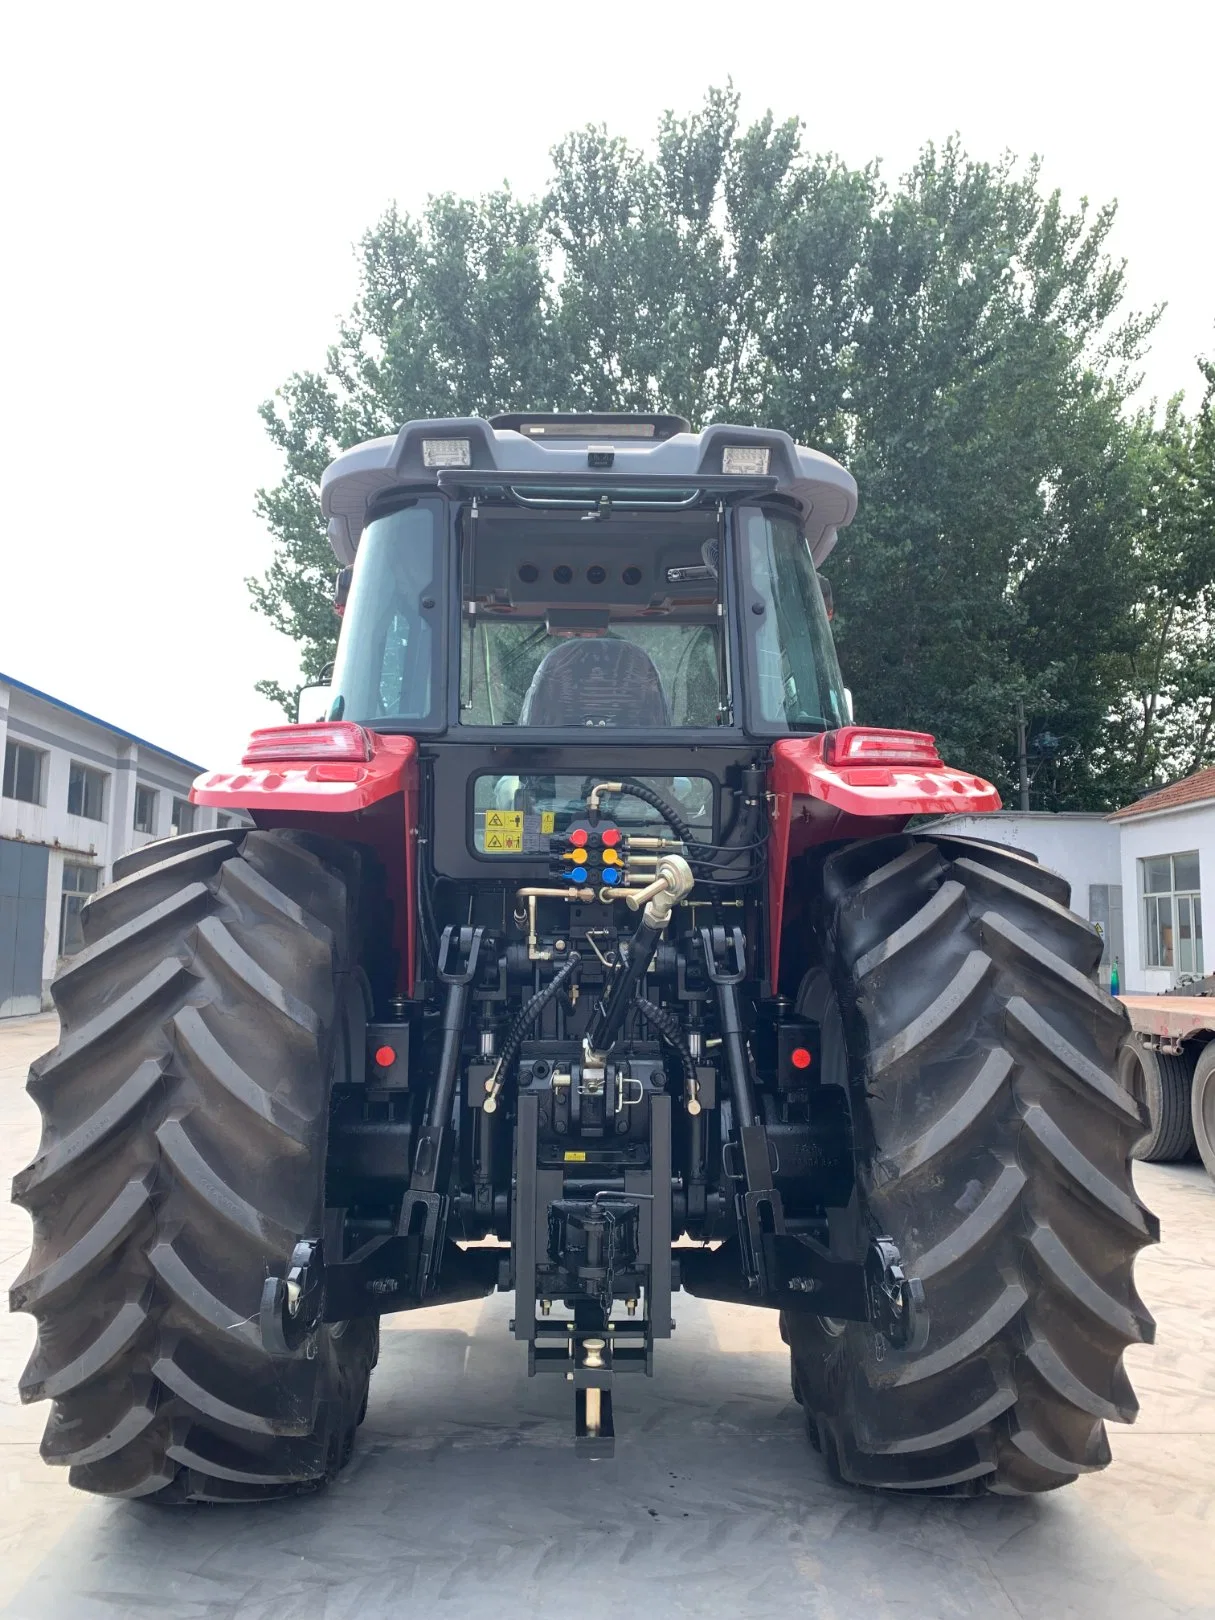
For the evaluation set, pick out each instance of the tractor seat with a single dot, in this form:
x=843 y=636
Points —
x=600 y=682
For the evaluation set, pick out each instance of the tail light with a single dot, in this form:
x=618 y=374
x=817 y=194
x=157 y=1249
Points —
x=334 y=739
x=859 y=745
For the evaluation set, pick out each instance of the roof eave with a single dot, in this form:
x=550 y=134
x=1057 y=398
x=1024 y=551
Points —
x=1135 y=813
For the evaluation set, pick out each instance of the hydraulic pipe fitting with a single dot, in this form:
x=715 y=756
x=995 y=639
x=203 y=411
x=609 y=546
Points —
x=672 y=882
x=592 y=798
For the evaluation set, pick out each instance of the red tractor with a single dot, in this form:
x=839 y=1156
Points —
x=586 y=921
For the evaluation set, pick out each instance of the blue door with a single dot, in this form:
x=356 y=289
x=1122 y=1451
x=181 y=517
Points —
x=23 y=869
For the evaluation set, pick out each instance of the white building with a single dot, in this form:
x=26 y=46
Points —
x=1168 y=858
x=77 y=794
x=1138 y=873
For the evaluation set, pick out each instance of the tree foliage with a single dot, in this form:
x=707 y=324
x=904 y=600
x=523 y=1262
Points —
x=957 y=338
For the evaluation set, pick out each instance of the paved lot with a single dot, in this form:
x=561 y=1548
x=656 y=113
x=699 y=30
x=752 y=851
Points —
x=465 y=1500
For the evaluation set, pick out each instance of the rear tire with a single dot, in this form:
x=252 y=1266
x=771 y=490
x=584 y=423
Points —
x=1202 y=1106
x=1161 y=1082
x=959 y=1008
x=185 y=1114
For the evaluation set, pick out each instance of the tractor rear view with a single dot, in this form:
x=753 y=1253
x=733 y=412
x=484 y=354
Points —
x=588 y=921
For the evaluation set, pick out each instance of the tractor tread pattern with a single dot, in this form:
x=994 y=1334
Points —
x=995 y=1148
x=61 y=1159
x=955 y=1123
x=171 y=1179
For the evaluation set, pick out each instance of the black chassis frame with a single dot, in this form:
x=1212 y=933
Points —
x=450 y=1177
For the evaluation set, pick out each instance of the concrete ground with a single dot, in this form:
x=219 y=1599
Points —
x=465 y=1498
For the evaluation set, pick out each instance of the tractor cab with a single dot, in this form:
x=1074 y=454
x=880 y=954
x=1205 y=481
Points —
x=665 y=583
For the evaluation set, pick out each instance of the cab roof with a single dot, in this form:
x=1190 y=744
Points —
x=589 y=452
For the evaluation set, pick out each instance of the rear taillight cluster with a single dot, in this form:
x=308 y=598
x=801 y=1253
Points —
x=329 y=740
x=861 y=745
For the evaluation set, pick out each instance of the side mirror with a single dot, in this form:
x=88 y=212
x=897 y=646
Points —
x=313 y=704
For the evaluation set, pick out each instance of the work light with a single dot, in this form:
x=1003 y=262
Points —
x=749 y=460
x=447 y=452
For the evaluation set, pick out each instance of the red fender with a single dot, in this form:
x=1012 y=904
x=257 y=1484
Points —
x=340 y=780
x=857 y=782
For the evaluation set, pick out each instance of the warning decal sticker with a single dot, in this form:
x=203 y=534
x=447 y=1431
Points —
x=514 y=832
x=503 y=832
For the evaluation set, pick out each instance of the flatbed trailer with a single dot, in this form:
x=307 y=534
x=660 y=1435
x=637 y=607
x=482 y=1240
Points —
x=1168 y=1060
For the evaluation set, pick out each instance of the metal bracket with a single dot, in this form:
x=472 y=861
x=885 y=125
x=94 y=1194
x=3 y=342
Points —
x=291 y=1305
x=804 y=1278
x=897 y=1303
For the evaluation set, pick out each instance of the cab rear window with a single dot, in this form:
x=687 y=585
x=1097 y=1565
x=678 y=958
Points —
x=516 y=815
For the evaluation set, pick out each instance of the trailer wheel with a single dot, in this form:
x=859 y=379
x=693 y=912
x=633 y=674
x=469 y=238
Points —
x=1161 y=1082
x=1202 y=1106
x=960 y=1011
x=185 y=1114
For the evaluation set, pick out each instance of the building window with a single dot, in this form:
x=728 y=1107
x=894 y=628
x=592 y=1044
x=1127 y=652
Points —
x=183 y=817
x=145 y=809
x=24 y=773
x=1172 y=912
x=223 y=820
x=86 y=792
x=79 y=882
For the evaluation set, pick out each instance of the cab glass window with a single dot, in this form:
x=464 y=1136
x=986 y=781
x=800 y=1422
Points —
x=794 y=675
x=578 y=620
x=387 y=651
x=517 y=815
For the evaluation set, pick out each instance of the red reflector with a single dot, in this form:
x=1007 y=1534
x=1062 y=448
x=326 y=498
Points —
x=799 y=1057
x=858 y=745
x=578 y=837
x=330 y=739
x=611 y=836
x=385 y=1056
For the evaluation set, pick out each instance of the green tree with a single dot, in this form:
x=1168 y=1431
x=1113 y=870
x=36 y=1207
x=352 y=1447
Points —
x=1164 y=726
x=454 y=317
x=958 y=338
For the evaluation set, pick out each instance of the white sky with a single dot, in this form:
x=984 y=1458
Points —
x=182 y=185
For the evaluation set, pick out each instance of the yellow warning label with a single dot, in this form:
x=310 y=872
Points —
x=502 y=842
x=572 y=1157
x=548 y=821
x=504 y=820
x=503 y=832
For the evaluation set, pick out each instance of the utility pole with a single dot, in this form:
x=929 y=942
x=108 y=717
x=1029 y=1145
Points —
x=1022 y=757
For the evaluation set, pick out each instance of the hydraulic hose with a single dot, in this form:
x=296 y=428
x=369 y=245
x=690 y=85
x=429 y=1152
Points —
x=715 y=863
x=521 y=1025
x=668 y=1026
x=668 y=812
x=733 y=860
x=621 y=991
